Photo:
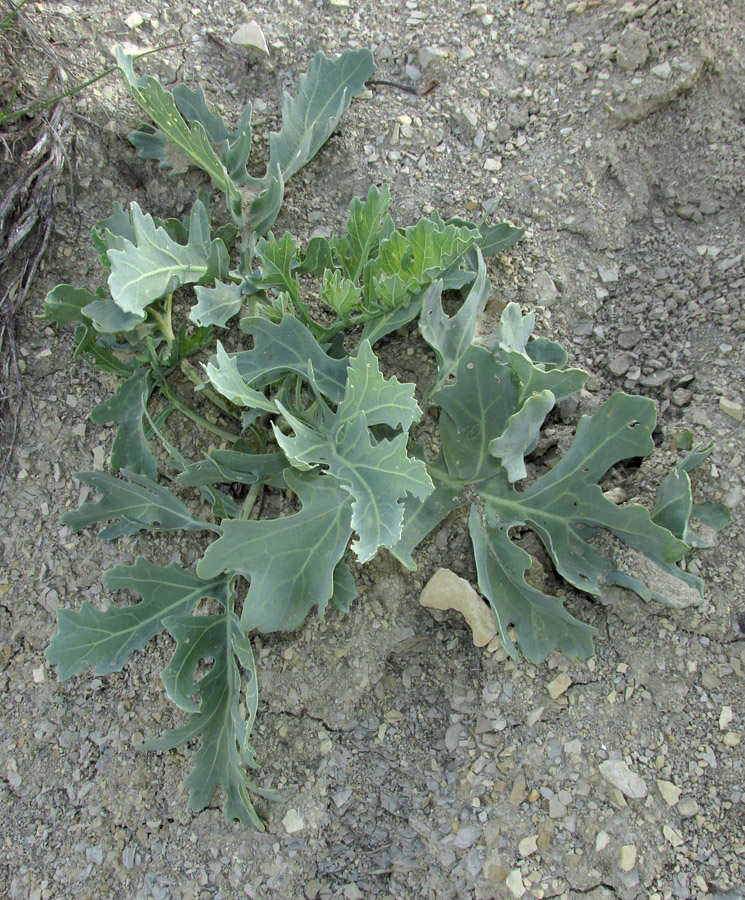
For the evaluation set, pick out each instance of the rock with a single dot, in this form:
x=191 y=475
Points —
x=466 y=837
x=609 y=274
x=618 y=774
x=620 y=364
x=292 y=821
x=688 y=807
x=673 y=836
x=627 y=858
x=134 y=20
x=663 y=70
x=446 y=590
x=544 y=290
x=429 y=55
x=602 y=839
x=249 y=34
x=559 y=685
x=669 y=791
x=514 y=882
x=731 y=408
x=528 y=845
x=492 y=164
x=633 y=48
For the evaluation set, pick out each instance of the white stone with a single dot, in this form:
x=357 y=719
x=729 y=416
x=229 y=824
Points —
x=446 y=590
x=528 y=845
x=618 y=774
x=670 y=792
x=492 y=165
x=249 y=34
x=134 y=20
x=514 y=882
x=293 y=821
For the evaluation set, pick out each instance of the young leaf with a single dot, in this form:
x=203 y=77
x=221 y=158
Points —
x=134 y=504
x=521 y=434
x=224 y=750
x=222 y=371
x=308 y=120
x=541 y=623
x=104 y=639
x=290 y=561
x=65 y=304
x=230 y=466
x=131 y=449
x=217 y=305
x=155 y=264
x=364 y=228
x=449 y=337
x=110 y=318
x=340 y=294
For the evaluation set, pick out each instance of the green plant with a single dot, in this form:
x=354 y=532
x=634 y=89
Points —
x=311 y=413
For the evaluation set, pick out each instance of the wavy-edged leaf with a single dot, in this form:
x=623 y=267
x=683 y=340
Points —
x=222 y=371
x=65 y=304
x=230 y=466
x=99 y=352
x=288 y=347
x=105 y=638
x=541 y=622
x=131 y=449
x=450 y=337
x=521 y=434
x=224 y=751
x=156 y=265
x=308 y=120
x=289 y=561
x=345 y=588
x=191 y=140
x=364 y=227
x=216 y=305
x=134 y=502
x=340 y=294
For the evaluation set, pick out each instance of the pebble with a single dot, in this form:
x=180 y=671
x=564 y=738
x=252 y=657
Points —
x=620 y=364
x=134 y=20
x=731 y=408
x=731 y=739
x=663 y=70
x=609 y=274
x=466 y=837
x=544 y=290
x=514 y=882
x=293 y=821
x=673 y=836
x=429 y=55
x=602 y=839
x=669 y=791
x=618 y=774
x=528 y=845
x=725 y=717
x=627 y=858
x=688 y=807
x=632 y=51
x=492 y=164
x=559 y=685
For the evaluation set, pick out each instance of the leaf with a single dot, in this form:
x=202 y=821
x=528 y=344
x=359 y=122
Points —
x=100 y=354
x=104 y=639
x=566 y=506
x=110 y=318
x=541 y=623
x=377 y=475
x=340 y=294
x=450 y=337
x=65 y=304
x=279 y=260
x=289 y=561
x=135 y=503
x=224 y=750
x=131 y=449
x=345 y=588
x=191 y=140
x=382 y=400
x=521 y=434
x=156 y=265
x=229 y=466
x=364 y=228
x=495 y=238
x=222 y=371
x=318 y=256
x=217 y=305
x=308 y=120
x=288 y=347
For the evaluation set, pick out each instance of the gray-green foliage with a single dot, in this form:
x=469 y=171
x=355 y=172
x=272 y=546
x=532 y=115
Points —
x=306 y=410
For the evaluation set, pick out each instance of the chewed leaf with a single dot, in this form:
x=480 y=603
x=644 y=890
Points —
x=224 y=751
x=217 y=305
x=222 y=371
x=65 y=304
x=541 y=623
x=521 y=434
x=104 y=639
x=289 y=561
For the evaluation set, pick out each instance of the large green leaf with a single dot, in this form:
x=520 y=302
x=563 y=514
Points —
x=364 y=228
x=288 y=347
x=65 y=304
x=105 y=638
x=230 y=466
x=216 y=305
x=222 y=371
x=308 y=120
x=156 y=265
x=133 y=504
x=224 y=751
x=289 y=561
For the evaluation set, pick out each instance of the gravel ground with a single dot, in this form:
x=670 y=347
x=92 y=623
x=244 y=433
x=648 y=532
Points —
x=413 y=764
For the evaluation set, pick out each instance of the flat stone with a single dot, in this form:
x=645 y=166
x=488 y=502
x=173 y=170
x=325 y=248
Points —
x=559 y=685
x=528 y=845
x=627 y=858
x=134 y=20
x=672 y=836
x=731 y=408
x=663 y=71
x=688 y=807
x=492 y=164
x=544 y=290
x=446 y=590
x=429 y=55
x=293 y=821
x=618 y=774
x=609 y=274
x=514 y=882
x=466 y=837
x=620 y=364
x=633 y=48
x=669 y=791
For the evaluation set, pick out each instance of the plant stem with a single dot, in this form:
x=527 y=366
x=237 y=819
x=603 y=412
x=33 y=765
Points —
x=195 y=417
x=251 y=498
x=193 y=375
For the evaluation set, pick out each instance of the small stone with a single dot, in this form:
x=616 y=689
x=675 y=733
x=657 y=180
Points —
x=620 y=364
x=518 y=792
x=249 y=34
x=134 y=20
x=514 y=882
x=731 y=408
x=673 y=836
x=618 y=774
x=731 y=739
x=342 y=3
x=682 y=397
x=446 y=590
x=478 y=9
x=663 y=70
x=669 y=791
x=39 y=675
x=559 y=685
x=556 y=809
x=492 y=164
x=627 y=858
x=725 y=717
x=466 y=837
x=429 y=55
x=292 y=821
x=544 y=290
x=528 y=845
x=688 y=807
x=609 y=274
x=352 y=892
x=602 y=839
x=633 y=49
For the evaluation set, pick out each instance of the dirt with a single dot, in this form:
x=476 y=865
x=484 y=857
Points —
x=413 y=764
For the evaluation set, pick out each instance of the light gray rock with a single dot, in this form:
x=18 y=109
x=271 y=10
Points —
x=633 y=48
x=620 y=776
